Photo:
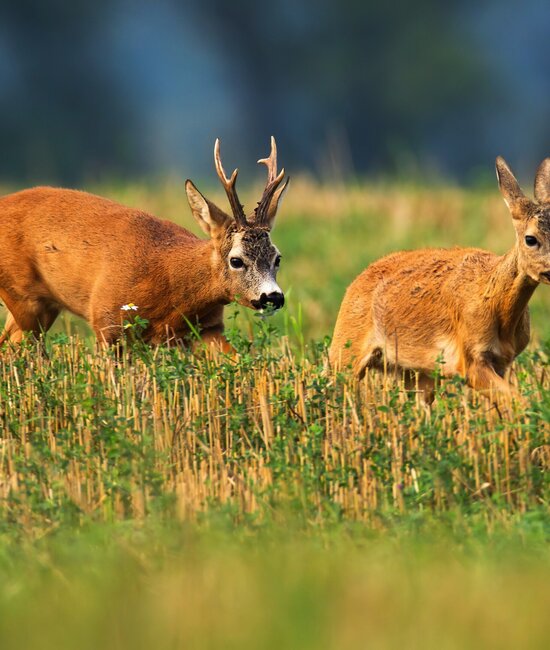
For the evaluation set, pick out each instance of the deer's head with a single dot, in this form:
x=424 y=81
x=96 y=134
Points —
x=245 y=257
x=531 y=219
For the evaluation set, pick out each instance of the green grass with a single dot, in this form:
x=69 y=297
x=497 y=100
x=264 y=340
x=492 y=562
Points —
x=215 y=585
x=171 y=501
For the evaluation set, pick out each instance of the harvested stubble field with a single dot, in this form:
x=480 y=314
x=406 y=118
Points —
x=258 y=500
x=87 y=436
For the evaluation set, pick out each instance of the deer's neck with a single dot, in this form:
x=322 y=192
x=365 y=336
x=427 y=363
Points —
x=195 y=283
x=509 y=291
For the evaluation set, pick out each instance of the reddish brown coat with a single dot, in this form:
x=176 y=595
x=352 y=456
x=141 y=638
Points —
x=464 y=308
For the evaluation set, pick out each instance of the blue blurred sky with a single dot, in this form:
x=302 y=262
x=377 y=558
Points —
x=137 y=88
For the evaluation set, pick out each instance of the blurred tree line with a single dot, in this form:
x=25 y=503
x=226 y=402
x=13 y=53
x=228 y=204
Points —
x=134 y=87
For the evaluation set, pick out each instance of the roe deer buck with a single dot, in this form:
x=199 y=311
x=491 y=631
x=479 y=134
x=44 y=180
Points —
x=464 y=307
x=63 y=249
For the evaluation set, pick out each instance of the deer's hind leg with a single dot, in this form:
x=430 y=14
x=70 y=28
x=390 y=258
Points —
x=353 y=344
x=11 y=332
x=371 y=355
x=31 y=317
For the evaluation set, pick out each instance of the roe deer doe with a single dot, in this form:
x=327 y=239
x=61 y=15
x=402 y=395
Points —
x=63 y=249
x=464 y=307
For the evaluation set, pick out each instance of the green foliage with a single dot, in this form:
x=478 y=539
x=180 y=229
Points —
x=119 y=434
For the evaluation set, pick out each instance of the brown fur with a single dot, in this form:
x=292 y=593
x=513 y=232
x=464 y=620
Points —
x=64 y=249
x=464 y=307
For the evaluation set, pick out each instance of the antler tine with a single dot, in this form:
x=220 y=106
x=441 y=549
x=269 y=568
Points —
x=273 y=182
x=229 y=185
x=271 y=162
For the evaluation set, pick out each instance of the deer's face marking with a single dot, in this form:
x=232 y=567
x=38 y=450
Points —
x=533 y=232
x=251 y=262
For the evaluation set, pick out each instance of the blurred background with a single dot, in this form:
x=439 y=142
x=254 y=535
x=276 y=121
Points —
x=103 y=89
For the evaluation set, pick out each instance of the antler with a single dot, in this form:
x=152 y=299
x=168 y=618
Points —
x=229 y=185
x=273 y=181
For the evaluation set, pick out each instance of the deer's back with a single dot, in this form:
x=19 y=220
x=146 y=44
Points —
x=69 y=215
x=407 y=282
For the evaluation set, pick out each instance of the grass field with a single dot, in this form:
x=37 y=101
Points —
x=258 y=501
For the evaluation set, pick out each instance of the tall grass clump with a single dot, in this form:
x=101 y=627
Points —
x=89 y=435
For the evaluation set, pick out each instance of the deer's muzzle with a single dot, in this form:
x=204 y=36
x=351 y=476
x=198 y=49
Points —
x=276 y=299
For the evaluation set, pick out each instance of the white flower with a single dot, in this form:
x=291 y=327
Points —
x=129 y=307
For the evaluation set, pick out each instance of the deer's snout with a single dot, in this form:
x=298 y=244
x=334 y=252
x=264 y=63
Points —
x=275 y=298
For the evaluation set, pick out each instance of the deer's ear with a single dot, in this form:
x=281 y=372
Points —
x=209 y=217
x=274 y=204
x=509 y=187
x=542 y=182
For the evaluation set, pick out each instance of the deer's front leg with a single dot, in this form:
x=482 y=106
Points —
x=214 y=337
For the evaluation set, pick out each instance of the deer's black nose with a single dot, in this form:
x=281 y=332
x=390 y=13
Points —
x=275 y=298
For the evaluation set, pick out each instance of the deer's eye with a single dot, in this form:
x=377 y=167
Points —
x=531 y=241
x=278 y=261
x=236 y=263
